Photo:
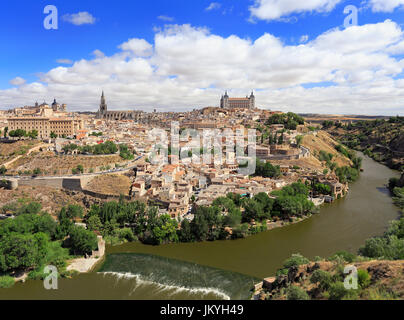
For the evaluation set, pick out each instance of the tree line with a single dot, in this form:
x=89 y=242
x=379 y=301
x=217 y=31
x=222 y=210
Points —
x=34 y=239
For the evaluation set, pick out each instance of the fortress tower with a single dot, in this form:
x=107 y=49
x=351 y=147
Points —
x=232 y=103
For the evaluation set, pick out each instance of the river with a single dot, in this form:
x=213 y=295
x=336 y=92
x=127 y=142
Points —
x=226 y=269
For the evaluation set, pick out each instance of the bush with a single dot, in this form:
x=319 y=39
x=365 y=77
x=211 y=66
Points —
x=6 y=282
x=126 y=234
x=323 y=278
x=346 y=256
x=337 y=291
x=295 y=260
x=363 y=278
x=296 y=293
x=82 y=241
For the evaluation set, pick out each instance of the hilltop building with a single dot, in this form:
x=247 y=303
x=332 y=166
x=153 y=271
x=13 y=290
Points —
x=237 y=103
x=45 y=126
x=45 y=119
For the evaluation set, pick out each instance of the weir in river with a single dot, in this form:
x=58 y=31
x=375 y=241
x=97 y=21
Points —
x=343 y=225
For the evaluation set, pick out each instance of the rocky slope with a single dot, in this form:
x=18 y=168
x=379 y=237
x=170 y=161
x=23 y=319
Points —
x=323 y=280
x=382 y=140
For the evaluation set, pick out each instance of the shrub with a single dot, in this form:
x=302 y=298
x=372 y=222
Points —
x=346 y=256
x=363 y=278
x=337 y=291
x=296 y=293
x=126 y=234
x=295 y=260
x=323 y=278
x=6 y=282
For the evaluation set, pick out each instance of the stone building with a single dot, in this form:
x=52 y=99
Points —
x=45 y=126
x=237 y=103
x=103 y=113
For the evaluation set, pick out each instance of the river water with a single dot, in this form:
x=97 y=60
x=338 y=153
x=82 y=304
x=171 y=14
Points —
x=227 y=269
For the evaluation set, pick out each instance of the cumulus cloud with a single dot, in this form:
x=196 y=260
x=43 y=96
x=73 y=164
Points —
x=165 y=18
x=98 y=53
x=276 y=9
x=139 y=47
x=213 y=6
x=64 y=61
x=354 y=70
x=385 y=5
x=79 y=18
x=17 y=81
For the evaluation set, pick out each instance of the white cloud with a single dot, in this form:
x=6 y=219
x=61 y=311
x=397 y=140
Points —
x=187 y=67
x=64 y=61
x=17 y=81
x=165 y=18
x=139 y=47
x=98 y=53
x=79 y=18
x=385 y=5
x=276 y=9
x=213 y=6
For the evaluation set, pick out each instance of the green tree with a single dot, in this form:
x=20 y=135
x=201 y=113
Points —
x=33 y=134
x=22 y=251
x=252 y=210
x=94 y=223
x=299 y=140
x=82 y=241
x=337 y=291
x=233 y=218
x=185 y=233
x=322 y=278
x=3 y=170
x=296 y=293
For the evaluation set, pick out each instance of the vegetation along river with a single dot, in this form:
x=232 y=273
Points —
x=227 y=269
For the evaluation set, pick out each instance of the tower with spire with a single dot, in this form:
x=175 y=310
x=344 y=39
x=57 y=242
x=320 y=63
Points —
x=224 y=101
x=252 y=100
x=103 y=106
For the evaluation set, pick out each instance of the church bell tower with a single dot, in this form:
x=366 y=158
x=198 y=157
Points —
x=103 y=106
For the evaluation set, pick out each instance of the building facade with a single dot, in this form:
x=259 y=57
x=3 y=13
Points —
x=237 y=103
x=103 y=112
x=45 y=126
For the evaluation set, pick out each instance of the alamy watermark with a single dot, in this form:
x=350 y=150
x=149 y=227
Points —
x=352 y=18
x=351 y=280
x=51 y=280
x=205 y=147
x=51 y=20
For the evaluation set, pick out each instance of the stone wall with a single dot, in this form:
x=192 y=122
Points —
x=57 y=183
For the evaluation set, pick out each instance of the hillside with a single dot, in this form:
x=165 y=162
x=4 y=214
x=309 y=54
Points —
x=110 y=184
x=383 y=140
x=324 y=142
x=323 y=280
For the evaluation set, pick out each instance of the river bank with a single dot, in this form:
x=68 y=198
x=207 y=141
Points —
x=343 y=225
x=87 y=264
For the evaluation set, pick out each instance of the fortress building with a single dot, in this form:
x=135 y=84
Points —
x=237 y=103
x=103 y=112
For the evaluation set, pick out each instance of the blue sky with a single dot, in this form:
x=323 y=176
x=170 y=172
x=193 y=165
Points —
x=29 y=51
